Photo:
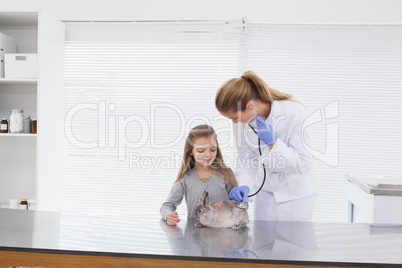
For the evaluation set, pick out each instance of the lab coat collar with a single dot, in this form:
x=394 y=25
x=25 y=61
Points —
x=275 y=110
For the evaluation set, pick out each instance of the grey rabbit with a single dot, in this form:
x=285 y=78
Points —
x=226 y=215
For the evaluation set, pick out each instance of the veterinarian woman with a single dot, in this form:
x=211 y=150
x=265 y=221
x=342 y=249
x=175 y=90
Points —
x=289 y=191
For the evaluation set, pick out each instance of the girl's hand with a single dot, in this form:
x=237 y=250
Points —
x=173 y=218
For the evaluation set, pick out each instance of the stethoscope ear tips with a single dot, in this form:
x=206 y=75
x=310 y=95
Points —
x=252 y=107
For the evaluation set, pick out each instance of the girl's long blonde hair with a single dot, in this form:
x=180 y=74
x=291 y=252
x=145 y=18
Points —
x=235 y=93
x=218 y=166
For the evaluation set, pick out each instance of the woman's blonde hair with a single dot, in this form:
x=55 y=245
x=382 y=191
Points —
x=235 y=93
x=218 y=166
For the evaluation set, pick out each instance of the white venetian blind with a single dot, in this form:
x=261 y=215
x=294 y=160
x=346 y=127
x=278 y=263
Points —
x=134 y=90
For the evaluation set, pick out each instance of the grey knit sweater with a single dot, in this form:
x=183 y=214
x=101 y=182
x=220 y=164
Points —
x=192 y=188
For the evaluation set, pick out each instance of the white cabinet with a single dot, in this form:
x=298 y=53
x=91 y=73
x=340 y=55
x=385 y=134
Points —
x=375 y=199
x=31 y=164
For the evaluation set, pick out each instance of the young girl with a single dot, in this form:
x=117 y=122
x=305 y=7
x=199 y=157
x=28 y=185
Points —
x=202 y=169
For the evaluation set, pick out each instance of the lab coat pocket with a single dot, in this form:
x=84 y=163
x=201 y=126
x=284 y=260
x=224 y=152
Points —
x=272 y=180
x=296 y=186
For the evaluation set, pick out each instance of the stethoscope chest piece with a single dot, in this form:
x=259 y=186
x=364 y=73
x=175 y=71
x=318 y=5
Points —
x=243 y=205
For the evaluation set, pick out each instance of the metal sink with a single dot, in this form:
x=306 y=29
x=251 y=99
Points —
x=377 y=185
x=385 y=189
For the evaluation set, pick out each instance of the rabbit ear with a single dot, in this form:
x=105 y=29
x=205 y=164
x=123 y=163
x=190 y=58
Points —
x=206 y=202
x=203 y=198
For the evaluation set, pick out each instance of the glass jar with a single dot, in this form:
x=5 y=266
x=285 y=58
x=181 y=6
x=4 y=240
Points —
x=16 y=124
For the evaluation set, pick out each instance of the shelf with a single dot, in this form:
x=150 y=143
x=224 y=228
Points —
x=8 y=81
x=19 y=18
x=41 y=97
x=17 y=135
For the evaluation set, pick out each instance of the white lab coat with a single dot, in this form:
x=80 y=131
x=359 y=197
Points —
x=290 y=176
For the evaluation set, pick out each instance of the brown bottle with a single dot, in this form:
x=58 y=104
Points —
x=34 y=126
x=4 y=125
x=24 y=204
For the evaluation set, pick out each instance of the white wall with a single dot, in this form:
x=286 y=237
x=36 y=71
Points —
x=275 y=11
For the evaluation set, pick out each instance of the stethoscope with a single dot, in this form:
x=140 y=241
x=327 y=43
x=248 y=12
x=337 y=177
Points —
x=245 y=204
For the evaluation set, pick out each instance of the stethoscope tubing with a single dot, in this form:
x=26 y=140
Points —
x=265 y=172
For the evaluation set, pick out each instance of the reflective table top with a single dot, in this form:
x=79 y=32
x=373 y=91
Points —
x=261 y=242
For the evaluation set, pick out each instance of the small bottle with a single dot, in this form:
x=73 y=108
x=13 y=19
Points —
x=31 y=204
x=34 y=126
x=4 y=125
x=27 y=124
x=24 y=204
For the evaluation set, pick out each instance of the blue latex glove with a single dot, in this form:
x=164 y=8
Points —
x=239 y=193
x=265 y=132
